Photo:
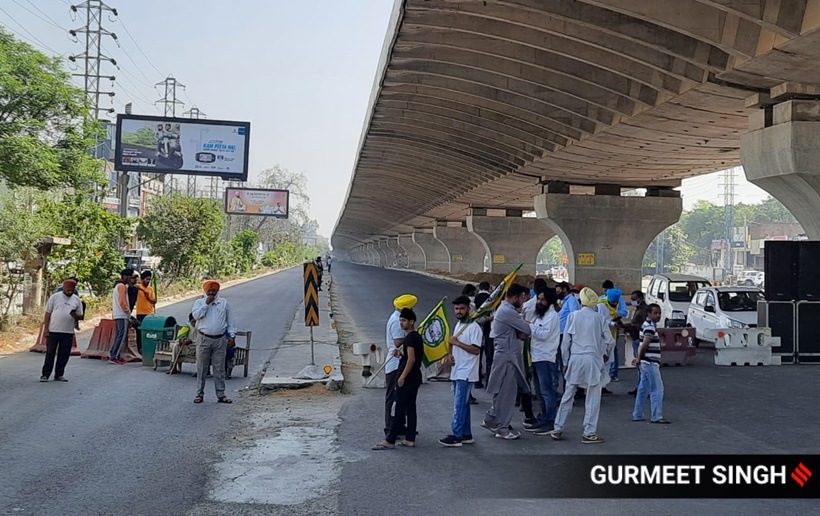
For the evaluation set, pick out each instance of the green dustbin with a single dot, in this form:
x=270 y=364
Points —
x=152 y=328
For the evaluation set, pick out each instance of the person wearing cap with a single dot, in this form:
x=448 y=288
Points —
x=121 y=314
x=608 y=308
x=394 y=341
x=216 y=332
x=63 y=310
x=586 y=341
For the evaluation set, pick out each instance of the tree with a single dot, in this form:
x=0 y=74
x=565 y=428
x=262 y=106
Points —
x=21 y=230
x=185 y=233
x=700 y=225
x=45 y=133
x=552 y=253
x=93 y=255
x=676 y=251
x=244 y=246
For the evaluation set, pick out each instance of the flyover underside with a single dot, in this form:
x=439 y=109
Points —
x=480 y=103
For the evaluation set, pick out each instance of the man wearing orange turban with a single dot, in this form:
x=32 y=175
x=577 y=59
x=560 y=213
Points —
x=214 y=321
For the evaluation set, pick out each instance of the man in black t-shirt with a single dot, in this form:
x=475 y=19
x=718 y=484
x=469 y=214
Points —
x=320 y=269
x=407 y=385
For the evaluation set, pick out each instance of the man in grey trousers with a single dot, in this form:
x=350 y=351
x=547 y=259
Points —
x=213 y=322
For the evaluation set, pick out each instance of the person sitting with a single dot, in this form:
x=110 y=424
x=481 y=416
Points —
x=185 y=345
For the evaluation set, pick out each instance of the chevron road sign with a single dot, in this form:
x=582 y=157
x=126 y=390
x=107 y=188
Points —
x=311 y=276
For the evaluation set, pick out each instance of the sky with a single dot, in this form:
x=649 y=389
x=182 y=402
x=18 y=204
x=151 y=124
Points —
x=300 y=71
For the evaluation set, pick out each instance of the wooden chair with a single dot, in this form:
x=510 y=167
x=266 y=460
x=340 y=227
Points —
x=242 y=354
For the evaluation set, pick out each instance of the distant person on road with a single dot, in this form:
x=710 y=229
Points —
x=465 y=348
x=121 y=314
x=407 y=386
x=544 y=346
x=649 y=360
x=320 y=269
x=395 y=343
x=63 y=309
x=216 y=332
x=638 y=300
x=608 y=308
x=586 y=341
x=328 y=263
x=507 y=376
x=146 y=301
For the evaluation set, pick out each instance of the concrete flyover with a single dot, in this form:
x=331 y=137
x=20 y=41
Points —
x=488 y=105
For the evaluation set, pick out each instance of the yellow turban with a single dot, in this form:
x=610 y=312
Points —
x=589 y=298
x=405 y=301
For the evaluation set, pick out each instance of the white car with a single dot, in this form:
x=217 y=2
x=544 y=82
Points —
x=673 y=292
x=751 y=279
x=723 y=308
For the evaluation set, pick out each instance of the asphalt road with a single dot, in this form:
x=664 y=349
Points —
x=714 y=410
x=125 y=439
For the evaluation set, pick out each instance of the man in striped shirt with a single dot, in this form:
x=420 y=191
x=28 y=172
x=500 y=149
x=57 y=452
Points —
x=649 y=358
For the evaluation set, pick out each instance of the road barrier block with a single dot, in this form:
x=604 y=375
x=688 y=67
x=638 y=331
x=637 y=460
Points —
x=676 y=346
x=743 y=346
x=103 y=338
x=40 y=344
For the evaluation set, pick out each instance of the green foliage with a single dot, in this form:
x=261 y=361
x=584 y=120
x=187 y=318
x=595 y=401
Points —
x=144 y=136
x=186 y=233
x=676 y=250
x=93 y=255
x=552 y=253
x=44 y=135
x=244 y=246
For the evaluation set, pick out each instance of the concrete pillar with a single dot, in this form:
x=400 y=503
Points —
x=415 y=254
x=437 y=256
x=385 y=255
x=509 y=241
x=606 y=236
x=398 y=252
x=781 y=155
x=466 y=251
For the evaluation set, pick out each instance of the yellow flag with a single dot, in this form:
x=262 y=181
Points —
x=435 y=333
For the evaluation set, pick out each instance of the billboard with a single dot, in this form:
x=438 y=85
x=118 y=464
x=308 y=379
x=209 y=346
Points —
x=254 y=201
x=183 y=146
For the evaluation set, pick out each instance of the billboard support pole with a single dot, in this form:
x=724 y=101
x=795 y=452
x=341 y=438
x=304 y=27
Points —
x=122 y=183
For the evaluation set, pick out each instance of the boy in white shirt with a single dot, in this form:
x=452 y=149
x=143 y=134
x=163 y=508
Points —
x=465 y=349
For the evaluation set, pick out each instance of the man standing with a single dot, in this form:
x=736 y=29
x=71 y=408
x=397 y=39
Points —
x=528 y=308
x=394 y=341
x=638 y=300
x=63 y=309
x=329 y=262
x=482 y=296
x=465 y=350
x=214 y=321
x=544 y=346
x=320 y=269
x=121 y=314
x=146 y=301
x=608 y=308
x=507 y=376
x=586 y=342
x=649 y=358
x=407 y=385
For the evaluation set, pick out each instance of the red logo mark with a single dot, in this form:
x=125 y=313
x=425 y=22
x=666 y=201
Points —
x=801 y=474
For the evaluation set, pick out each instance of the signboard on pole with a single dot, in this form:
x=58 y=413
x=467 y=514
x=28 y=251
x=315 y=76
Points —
x=311 y=276
x=183 y=146
x=256 y=201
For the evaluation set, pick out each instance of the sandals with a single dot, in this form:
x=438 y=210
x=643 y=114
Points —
x=384 y=445
x=224 y=399
x=199 y=399
x=406 y=444
x=662 y=421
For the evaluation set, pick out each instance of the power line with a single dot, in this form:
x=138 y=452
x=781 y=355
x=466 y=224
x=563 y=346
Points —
x=47 y=19
x=42 y=45
x=139 y=48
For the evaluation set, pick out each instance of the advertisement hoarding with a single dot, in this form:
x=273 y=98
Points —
x=183 y=146
x=255 y=201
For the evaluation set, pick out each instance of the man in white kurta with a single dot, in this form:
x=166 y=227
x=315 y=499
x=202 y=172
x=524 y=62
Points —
x=587 y=340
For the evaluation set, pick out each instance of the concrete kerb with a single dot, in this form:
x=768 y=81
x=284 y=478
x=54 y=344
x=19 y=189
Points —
x=293 y=353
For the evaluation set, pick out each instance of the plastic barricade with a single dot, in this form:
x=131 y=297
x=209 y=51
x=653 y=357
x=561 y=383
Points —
x=676 y=346
x=40 y=344
x=743 y=346
x=103 y=338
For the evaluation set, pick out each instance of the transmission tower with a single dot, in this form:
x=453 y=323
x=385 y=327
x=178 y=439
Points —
x=196 y=114
x=93 y=56
x=728 y=177
x=170 y=103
